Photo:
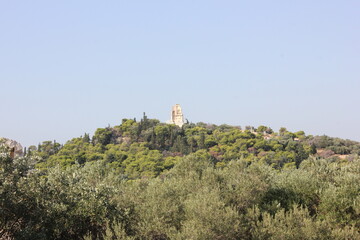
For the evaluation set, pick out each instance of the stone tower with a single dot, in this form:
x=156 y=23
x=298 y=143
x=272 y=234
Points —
x=177 y=116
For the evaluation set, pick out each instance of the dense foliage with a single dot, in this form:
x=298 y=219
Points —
x=149 y=180
x=148 y=147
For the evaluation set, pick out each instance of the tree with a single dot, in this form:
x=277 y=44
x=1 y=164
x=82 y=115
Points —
x=261 y=129
x=86 y=138
x=282 y=131
x=102 y=136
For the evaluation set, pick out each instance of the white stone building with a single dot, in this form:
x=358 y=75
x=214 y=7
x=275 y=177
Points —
x=177 y=116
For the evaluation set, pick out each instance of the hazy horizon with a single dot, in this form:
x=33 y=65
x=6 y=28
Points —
x=69 y=67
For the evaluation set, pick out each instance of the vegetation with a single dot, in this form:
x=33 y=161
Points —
x=149 y=180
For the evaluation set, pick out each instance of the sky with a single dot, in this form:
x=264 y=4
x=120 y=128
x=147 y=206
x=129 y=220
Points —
x=70 y=67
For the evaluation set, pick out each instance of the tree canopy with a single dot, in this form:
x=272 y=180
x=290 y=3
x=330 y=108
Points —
x=149 y=180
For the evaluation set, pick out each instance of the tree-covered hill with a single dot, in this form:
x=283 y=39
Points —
x=149 y=180
x=147 y=148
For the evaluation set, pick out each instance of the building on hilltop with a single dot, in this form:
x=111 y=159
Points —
x=177 y=116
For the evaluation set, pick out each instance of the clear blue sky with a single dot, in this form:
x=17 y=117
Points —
x=69 y=67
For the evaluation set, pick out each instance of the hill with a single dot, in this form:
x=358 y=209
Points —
x=147 y=148
x=149 y=180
